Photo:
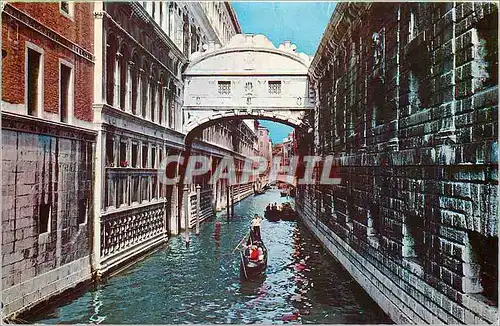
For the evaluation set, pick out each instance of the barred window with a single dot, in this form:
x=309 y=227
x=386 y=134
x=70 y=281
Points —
x=274 y=87
x=224 y=87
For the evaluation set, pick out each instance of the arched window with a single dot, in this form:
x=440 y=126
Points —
x=161 y=99
x=116 y=80
x=111 y=50
x=135 y=76
x=152 y=97
x=171 y=107
x=122 y=69
x=144 y=91
x=166 y=104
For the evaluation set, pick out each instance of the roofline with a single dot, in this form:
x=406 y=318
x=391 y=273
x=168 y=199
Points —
x=233 y=16
x=225 y=50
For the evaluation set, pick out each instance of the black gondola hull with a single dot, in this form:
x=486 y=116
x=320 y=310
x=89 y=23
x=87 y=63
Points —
x=252 y=269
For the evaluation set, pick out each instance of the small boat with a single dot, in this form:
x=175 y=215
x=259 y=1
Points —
x=283 y=193
x=286 y=213
x=249 y=268
x=259 y=192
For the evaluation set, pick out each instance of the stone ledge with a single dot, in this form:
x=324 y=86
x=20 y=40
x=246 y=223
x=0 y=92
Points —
x=19 y=298
x=34 y=125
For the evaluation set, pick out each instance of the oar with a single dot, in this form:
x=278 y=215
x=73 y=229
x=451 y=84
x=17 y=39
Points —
x=243 y=263
x=239 y=243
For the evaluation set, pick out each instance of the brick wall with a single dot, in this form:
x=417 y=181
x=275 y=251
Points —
x=407 y=104
x=15 y=34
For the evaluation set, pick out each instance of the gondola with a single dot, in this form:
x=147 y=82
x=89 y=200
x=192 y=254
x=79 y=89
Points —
x=271 y=215
x=259 y=192
x=283 y=193
x=250 y=269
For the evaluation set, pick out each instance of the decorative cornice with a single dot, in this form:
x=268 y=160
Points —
x=34 y=125
x=233 y=16
x=344 y=15
x=140 y=46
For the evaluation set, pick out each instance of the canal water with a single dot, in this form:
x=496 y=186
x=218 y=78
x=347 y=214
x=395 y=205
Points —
x=201 y=284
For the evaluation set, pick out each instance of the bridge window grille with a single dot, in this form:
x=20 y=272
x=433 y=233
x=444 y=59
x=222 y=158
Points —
x=224 y=87
x=274 y=87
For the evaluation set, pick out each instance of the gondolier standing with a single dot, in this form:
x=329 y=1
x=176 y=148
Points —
x=256 y=226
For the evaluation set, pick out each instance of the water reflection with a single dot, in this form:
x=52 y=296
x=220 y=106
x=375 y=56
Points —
x=201 y=284
x=96 y=305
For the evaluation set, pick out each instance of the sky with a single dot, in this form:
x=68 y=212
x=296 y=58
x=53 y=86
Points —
x=302 y=23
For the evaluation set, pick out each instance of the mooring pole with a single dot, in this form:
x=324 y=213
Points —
x=227 y=202
x=232 y=202
x=198 y=211
x=186 y=214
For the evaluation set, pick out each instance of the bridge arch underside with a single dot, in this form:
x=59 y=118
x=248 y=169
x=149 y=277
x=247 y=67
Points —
x=293 y=120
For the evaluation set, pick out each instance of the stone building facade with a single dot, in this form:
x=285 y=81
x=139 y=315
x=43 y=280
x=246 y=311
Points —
x=406 y=101
x=144 y=48
x=91 y=105
x=265 y=150
x=138 y=114
x=47 y=150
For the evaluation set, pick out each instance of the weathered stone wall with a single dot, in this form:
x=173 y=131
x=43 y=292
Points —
x=46 y=205
x=407 y=103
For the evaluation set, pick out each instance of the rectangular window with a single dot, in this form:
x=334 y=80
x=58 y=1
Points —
x=82 y=210
x=34 y=81
x=144 y=188
x=153 y=157
x=134 y=155
x=64 y=92
x=145 y=156
x=224 y=87
x=110 y=155
x=135 y=189
x=123 y=154
x=44 y=214
x=66 y=8
x=145 y=92
x=153 y=103
x=120 y=191
x=155 y=187
x=274 y=87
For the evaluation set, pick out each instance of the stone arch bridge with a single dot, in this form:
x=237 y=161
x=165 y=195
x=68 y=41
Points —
x=249 y=78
